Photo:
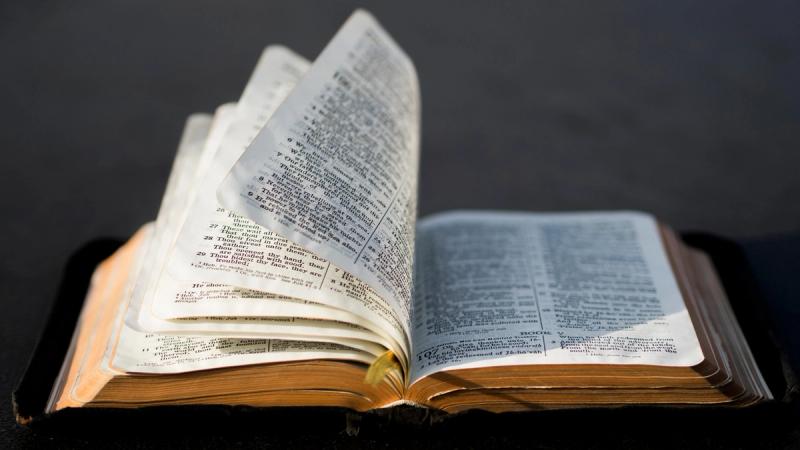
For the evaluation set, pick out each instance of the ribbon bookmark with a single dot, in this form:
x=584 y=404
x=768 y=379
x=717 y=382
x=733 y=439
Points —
x=380 y=367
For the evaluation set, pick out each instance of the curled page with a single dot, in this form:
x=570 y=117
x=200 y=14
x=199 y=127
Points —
x=497 y=289
x=214 y=262
x=158 y=353
x=199 y=137
x=133 y=351
x=335 y=168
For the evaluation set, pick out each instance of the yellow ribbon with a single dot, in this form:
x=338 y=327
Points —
x=380 y=367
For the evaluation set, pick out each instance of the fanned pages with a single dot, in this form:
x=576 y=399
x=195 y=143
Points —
x=335 y=169
x=270 y=275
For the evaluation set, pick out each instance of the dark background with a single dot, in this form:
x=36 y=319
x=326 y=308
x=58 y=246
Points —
x=689 y=110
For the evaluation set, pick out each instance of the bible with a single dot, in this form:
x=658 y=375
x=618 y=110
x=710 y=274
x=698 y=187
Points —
x=287 y=267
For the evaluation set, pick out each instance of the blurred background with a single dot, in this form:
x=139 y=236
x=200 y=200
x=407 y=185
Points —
x=688 y=110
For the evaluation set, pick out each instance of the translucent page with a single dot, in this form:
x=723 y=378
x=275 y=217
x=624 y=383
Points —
x=133 y=351
x=335 y=168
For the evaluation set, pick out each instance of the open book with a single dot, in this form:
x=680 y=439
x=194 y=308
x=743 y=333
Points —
x=287 y=267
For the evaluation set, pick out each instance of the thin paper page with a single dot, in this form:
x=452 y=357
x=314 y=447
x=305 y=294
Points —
x=518 y=288
x=139 y=352
x=198 y=136
x=335 y=168
x=132 y=351
x=195 y=153
x=155 y=353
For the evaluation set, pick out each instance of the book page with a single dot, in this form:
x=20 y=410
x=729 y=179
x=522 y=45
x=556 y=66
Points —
x=133 y=351
x=223 y=264
x=335 y=168
x=195 y=153
x=157 y=353
x=498 y=289
x=198 y=142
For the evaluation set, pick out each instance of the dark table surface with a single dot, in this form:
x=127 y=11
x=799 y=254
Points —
x=688 y=110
